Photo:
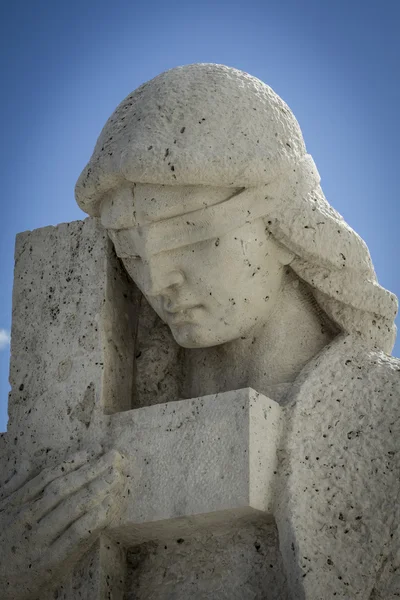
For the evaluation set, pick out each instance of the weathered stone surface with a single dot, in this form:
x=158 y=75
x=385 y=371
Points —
x=187 y=481
x=74 y=320
x=99 y=575
x=184 y=143
x=209 y=117
x=72 y=361
x=338 y=512
x=159 y=362
x=215 y=483
x=195 y=462
x=242 y=563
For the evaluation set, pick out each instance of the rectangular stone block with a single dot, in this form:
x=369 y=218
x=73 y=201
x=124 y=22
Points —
x=203 y=461
x=73 y=333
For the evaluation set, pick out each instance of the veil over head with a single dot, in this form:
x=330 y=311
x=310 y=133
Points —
x=212 y=125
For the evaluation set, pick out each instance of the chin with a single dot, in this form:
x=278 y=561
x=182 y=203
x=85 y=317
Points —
x=186 y=336
x=190 y=341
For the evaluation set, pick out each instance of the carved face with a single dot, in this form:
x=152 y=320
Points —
x=208 y=288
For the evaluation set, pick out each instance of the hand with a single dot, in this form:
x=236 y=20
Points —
x=55 y=517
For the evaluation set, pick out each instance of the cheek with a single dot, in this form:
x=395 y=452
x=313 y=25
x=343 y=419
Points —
x=218 y=271
x=246 y=281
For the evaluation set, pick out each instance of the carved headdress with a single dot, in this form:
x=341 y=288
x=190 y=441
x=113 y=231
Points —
x=207 y=124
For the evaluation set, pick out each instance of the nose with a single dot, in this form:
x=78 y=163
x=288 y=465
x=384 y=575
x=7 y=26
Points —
x=159 y=279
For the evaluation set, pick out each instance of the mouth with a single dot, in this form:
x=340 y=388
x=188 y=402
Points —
x=180 y=314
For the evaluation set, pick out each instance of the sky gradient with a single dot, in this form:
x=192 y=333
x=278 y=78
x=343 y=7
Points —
x=65 y=66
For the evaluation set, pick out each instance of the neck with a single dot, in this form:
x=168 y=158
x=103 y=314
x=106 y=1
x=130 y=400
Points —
x=270 y=357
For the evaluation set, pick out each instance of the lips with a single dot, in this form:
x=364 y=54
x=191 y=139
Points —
x=177 y=309
x=180 y=314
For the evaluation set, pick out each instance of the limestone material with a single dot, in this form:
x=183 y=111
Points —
x=205 y=461
x=72 y=351
x=207 y=117
x=212 y=216
x=242 y=563
x=208 y=126
x=72 y=334
x=338 y=513
x=51 y=520
x=215 y=210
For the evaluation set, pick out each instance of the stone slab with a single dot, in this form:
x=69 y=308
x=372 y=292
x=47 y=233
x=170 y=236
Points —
x=203 y=461
x=72 y=342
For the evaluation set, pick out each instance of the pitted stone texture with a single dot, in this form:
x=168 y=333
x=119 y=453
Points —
x=338 y=517
x=159 y=361
x=74 y=323
x=209 y=464
x=99 y=575
x=243 y=563
x=210 y=127
x=72 y=348
x=173 y=131
x=196 y=463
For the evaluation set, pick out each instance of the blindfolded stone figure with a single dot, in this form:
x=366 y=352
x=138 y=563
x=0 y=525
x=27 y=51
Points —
x=202 y=179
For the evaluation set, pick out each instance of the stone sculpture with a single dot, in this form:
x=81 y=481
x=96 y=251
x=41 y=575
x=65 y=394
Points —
x=202 y=181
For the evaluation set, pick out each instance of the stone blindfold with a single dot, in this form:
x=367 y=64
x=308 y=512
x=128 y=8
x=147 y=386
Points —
x=206 y=223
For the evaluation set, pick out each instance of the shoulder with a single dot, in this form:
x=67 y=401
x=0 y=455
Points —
x=343 y=463
x=348 y=367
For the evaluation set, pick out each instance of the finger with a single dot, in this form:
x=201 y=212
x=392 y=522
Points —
x=78 y=538
x=81 y=502
x=15 y=479
x=29 y=490
x=63 y=487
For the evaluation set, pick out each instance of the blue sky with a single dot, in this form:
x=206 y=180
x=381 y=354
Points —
x=66 y=65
